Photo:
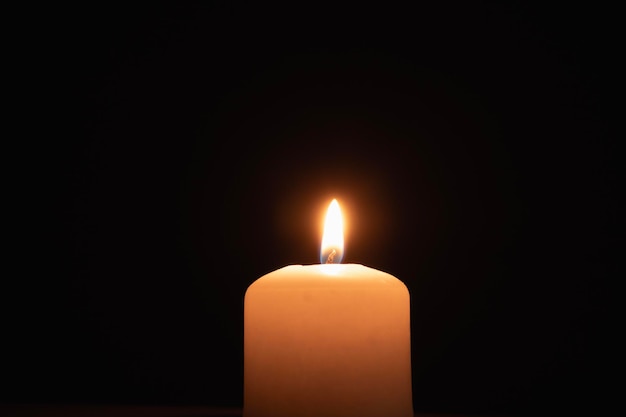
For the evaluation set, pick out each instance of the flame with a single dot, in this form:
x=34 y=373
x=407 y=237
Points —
x=332 y=240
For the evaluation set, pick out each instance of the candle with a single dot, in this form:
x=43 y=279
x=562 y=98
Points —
x=327 y=340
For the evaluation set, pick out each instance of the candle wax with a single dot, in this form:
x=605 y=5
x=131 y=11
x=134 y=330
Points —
x=327 y=341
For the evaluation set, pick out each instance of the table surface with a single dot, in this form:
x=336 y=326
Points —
x=132 y=411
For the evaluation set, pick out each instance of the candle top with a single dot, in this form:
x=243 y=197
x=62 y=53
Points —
x=324 y=275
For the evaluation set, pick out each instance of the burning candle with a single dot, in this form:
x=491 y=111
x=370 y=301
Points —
x=327 y=340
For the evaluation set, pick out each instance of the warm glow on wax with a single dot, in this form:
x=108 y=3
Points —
x=332 y=239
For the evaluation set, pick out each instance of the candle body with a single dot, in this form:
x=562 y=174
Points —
x=327 y=341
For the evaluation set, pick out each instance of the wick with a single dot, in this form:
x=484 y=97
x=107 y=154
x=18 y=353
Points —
x=331 y=257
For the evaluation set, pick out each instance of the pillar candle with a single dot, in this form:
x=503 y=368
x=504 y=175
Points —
x=327 y=340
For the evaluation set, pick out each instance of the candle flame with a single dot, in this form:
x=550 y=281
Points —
x=332 y=240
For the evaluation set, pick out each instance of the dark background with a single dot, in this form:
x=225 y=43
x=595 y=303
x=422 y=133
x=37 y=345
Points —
x=169 y=156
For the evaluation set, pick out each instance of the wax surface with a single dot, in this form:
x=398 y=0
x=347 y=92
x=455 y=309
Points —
x=327 y=341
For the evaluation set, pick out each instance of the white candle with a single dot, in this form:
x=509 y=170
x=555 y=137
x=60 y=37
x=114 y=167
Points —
x=327 y=340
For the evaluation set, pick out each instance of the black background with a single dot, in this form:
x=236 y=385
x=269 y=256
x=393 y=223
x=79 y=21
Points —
x=169 y=156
